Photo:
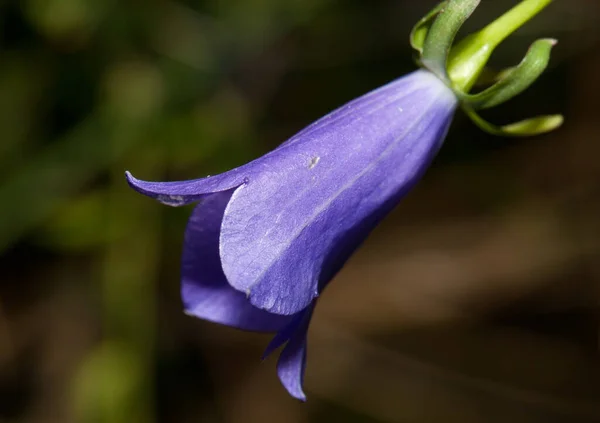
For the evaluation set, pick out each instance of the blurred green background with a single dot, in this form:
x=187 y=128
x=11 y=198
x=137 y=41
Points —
x=477 y=300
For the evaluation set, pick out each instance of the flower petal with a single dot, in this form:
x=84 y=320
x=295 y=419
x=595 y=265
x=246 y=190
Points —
x=292 y=360
x=310 y=202
x=180 y=193
x=291 y=365
x=204 y=288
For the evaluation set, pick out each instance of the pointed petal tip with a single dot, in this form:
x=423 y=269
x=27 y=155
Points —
x=137 y=184
x=292 y=362
x=290 y=378
x=164 y=192
x=129 y=177
x=300 y=395
x=293 y=385
x=132 y=180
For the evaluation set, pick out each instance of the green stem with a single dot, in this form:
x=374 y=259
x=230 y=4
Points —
x=512 y=20
x=468 y=58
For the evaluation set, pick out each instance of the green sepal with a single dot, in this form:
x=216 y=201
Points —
x=440 y=36
x=419 y=31
x=532 y=126
x=468 y=58
x=516 y=79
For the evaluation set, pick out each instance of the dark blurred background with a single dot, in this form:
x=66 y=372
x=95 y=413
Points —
x=477 y=300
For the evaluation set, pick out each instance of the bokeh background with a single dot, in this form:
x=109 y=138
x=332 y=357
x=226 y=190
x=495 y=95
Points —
x=477 y=300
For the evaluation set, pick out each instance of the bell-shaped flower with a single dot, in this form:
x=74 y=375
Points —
x=266 y=238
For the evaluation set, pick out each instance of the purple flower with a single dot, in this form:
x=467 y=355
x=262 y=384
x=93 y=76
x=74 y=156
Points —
x=267 y=237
